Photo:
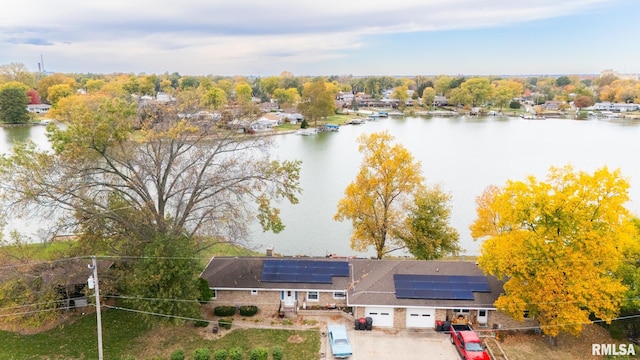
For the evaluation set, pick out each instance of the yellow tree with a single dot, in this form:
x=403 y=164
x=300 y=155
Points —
x=377 y=201
x=557 y=244
x=57 y=92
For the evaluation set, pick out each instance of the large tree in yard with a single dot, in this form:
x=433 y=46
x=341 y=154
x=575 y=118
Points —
x=557 y=244
x=387 y=194
x=128 y=192
x=317 y=100
x=13 y=102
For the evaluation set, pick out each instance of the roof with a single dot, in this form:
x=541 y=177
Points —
x=246 y=273
x=371 y=282
x=374 y=283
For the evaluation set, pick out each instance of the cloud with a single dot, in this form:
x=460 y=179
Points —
x=154 y=34
x=29 y=41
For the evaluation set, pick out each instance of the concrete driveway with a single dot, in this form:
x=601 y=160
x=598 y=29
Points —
x=405 y=345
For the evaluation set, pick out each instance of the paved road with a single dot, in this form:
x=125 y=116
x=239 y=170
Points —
x=377 y=344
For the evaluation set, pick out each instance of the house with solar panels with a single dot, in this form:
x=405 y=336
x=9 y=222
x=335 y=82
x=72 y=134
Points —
x=279 y=284
x=397 y=294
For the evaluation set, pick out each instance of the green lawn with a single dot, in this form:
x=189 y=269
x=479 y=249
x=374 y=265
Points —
x=75 y=340
x=125 y=337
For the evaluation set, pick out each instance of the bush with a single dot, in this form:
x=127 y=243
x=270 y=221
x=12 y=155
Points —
x=224 y=310
x=201 y=354
x=225 y=323
x=201 y=323
x=235 y=354
x=248 y=310
x=259 y=353
x=205 y=292
x=177 y=355
x=304 y=124
x=220 y=354
x=515 y=105
x=277 y=353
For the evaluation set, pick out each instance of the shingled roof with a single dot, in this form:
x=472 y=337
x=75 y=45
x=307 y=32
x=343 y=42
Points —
x=373 y=283
x=370 y=283
x=246 y=273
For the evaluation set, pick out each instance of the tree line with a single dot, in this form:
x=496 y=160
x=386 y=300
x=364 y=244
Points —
x=287 y=90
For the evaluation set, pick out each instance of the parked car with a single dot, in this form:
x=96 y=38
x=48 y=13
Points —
x=468 y=343
x=340 y=346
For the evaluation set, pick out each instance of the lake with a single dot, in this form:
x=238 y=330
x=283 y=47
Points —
x=463 y=154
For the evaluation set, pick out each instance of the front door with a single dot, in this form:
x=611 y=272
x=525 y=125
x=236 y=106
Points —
x=289 y=297
x=482 y=317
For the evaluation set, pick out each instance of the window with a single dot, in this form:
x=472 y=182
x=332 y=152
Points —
x=339 y=295
x=313 y=296
x=215 y=294
x=254 y=292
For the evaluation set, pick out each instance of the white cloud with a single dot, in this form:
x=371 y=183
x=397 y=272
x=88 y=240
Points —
x=199 y=36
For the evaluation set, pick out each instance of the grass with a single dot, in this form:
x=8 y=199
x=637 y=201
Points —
x=125 y=337
x=161 y=342
x=76 y=339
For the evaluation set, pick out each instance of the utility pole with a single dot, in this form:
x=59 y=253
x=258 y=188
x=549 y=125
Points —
x=93 y=281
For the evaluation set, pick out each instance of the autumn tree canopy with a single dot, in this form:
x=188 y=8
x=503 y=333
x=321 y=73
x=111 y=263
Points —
x=388 y=203
x=557 y=244
x=317 y=100
x=126 y=192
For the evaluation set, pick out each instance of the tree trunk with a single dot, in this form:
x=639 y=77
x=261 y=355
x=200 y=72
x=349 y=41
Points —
x=553 y=341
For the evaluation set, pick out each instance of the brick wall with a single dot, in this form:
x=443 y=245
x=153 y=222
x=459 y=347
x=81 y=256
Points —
x=400 y=318
x=269 y=300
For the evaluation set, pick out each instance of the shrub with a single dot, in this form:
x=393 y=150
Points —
x=235 y=354
x=225 y=323
x=259 y=353
x=220 y=354
x=205 y=292
x=201 y=354
x=277 y=353
x=515 y=105
x=201 y=323
x=248 y=310
x=224 y=310
x=177 y=355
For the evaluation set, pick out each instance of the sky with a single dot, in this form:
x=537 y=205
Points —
x=328 y=37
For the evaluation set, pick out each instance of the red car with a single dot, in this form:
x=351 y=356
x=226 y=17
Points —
x=469 y=345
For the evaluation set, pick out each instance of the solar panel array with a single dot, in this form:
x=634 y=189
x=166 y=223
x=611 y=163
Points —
x=303 y=271
x=439 y=287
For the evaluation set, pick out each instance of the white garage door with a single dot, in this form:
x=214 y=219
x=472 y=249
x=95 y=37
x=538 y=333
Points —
x=382 y=317
x=421 y=318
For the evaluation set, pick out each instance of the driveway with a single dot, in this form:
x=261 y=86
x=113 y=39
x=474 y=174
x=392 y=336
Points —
x=405 y=345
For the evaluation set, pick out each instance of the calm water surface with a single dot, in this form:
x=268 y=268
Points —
x=464 y=155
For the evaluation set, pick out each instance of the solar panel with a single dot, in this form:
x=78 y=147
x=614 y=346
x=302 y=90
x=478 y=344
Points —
x=303 y=271
x=451 y=287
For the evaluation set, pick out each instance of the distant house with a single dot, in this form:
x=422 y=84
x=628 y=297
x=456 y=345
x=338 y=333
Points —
x=552 y=105
x=394 y=293
x=439 y=100
x=164 y=97
x=263 y=124
x=38 y=108
x=615 y=107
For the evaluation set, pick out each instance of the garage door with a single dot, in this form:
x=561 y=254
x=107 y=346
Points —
x=421 y=318
x=382 y=317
